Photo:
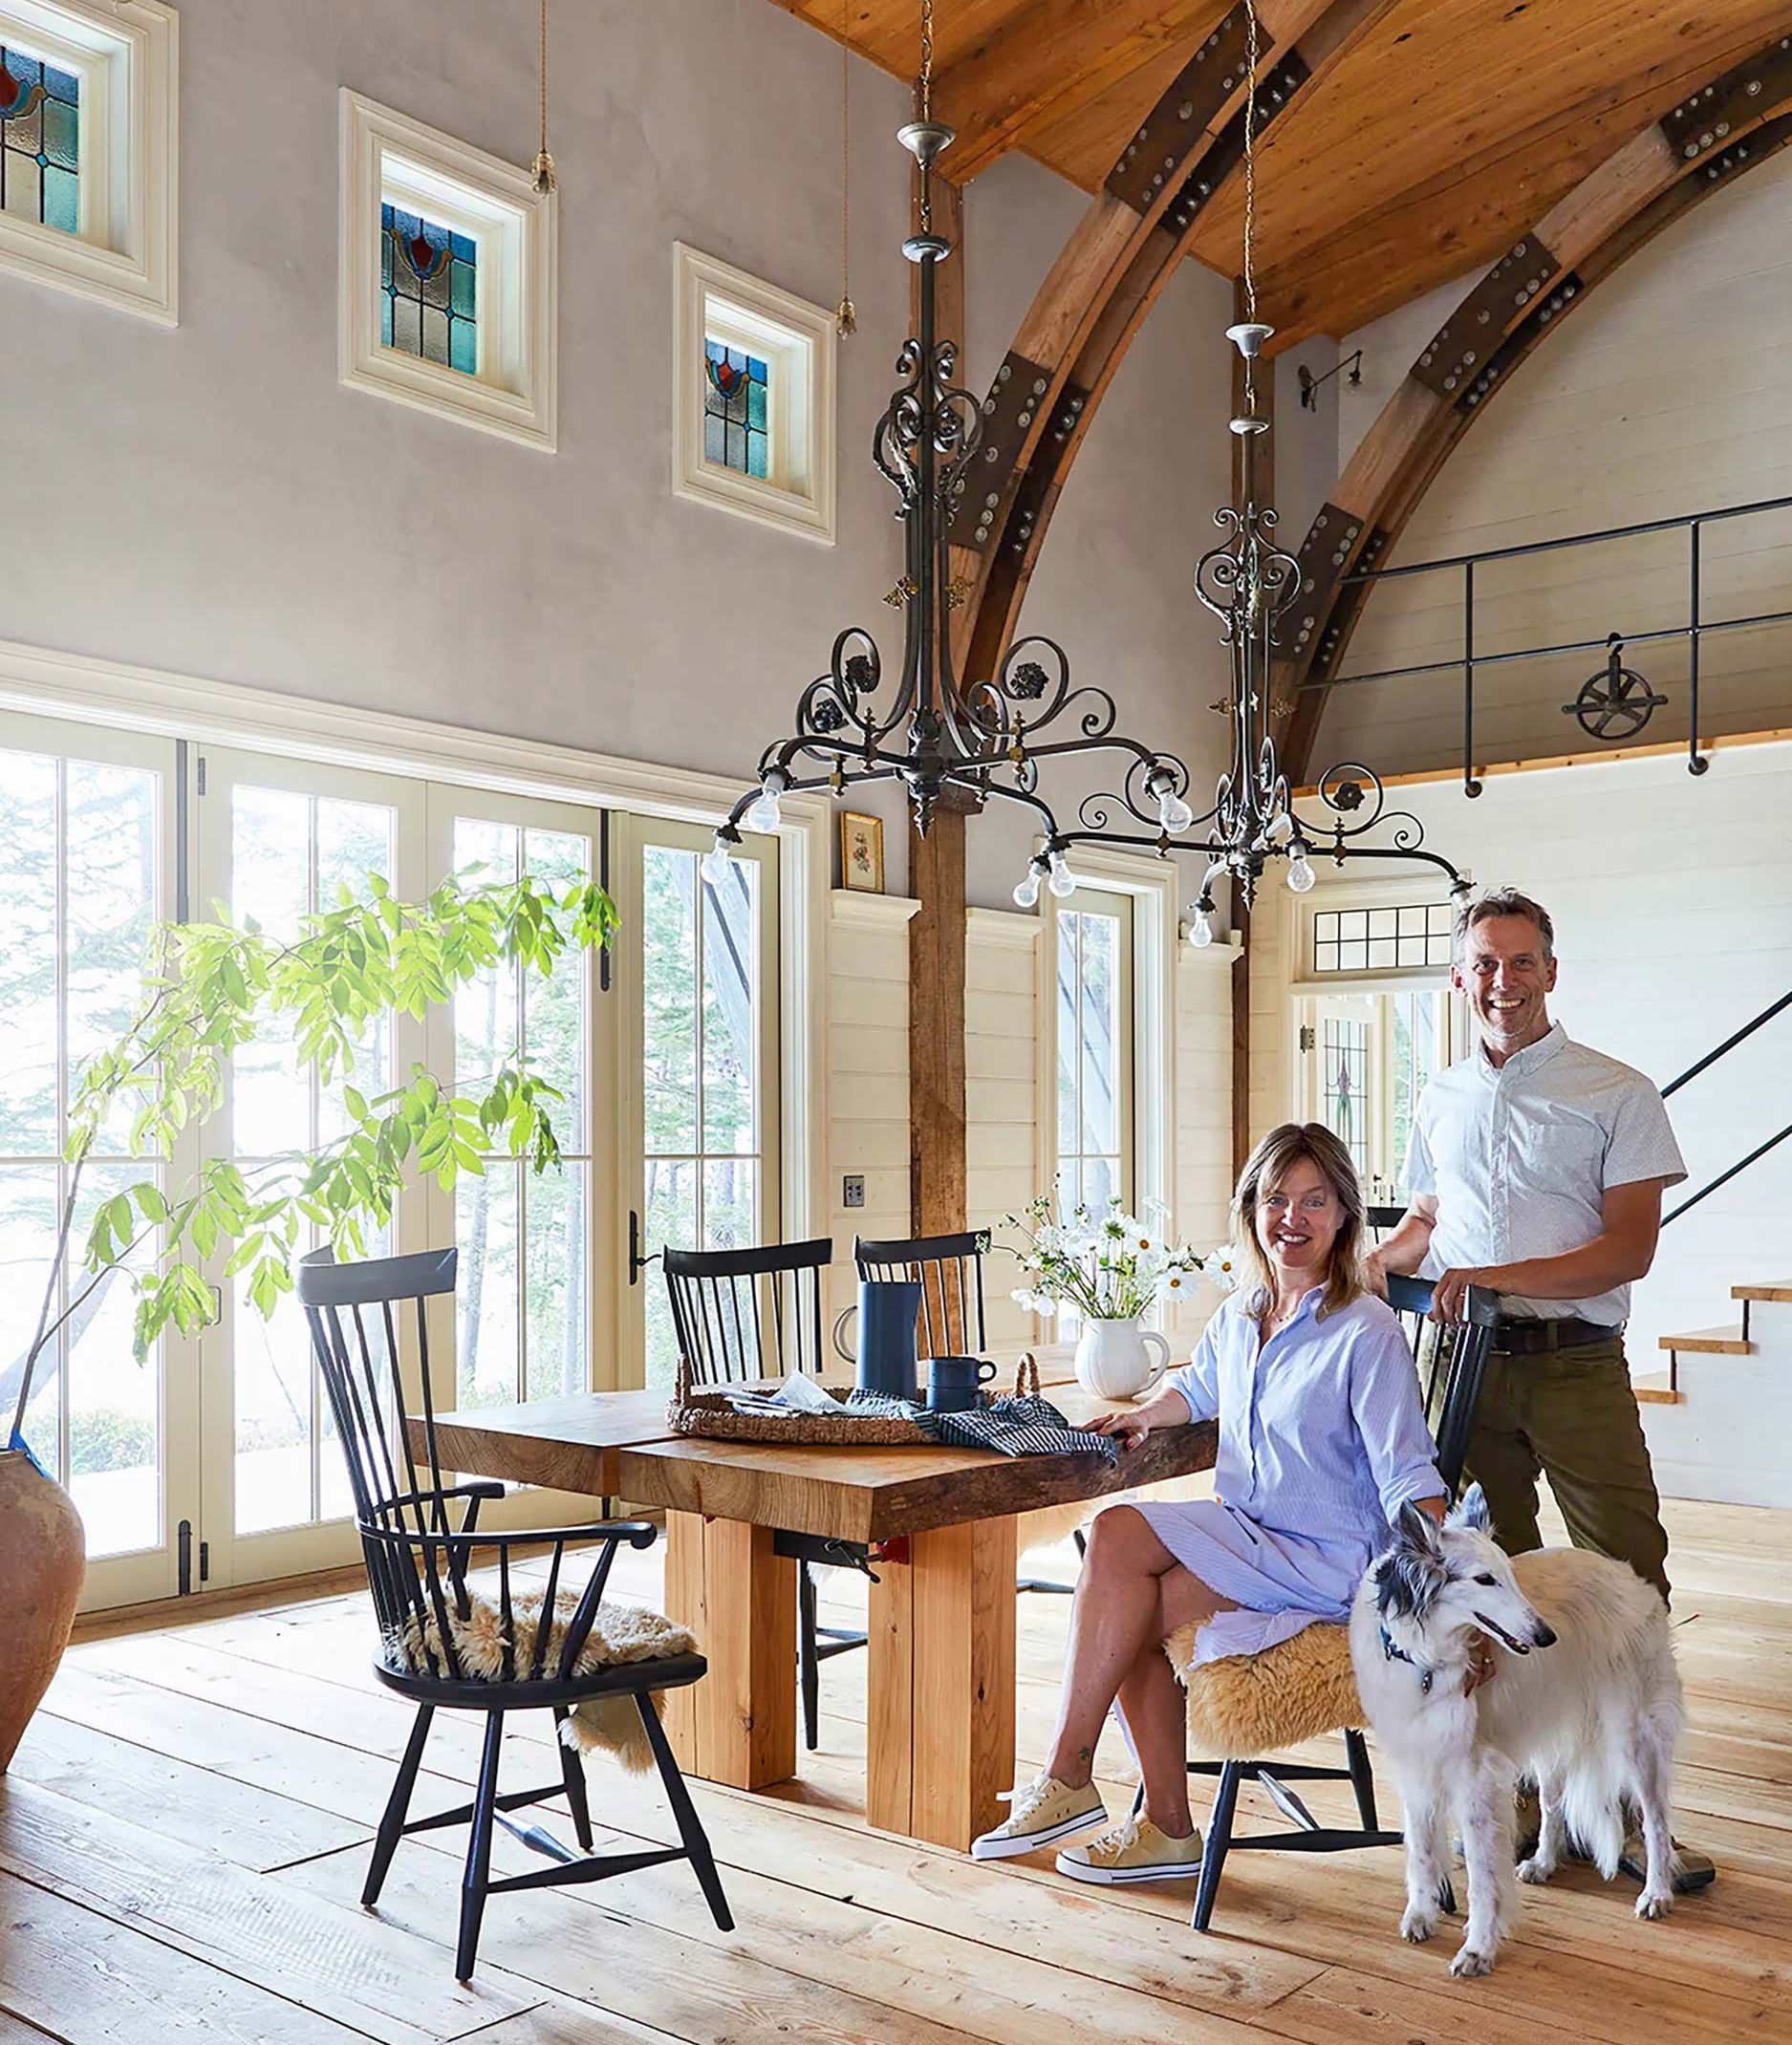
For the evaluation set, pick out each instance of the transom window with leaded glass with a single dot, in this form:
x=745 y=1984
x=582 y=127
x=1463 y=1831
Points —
x=1396 y=938
x=40 y=141
x=737 y=399
x=429 y=285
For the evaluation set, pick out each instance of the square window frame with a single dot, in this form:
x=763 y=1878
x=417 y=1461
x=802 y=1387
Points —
x=389 y=158
x=127 y=57
x=712 y=300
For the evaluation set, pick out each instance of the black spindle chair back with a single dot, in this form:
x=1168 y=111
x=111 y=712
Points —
x=751 y=1313
x=950 y=1272
x=1452 y=1362
x=418 y=1535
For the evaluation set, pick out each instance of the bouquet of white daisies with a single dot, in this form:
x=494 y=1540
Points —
x=1105 y=1266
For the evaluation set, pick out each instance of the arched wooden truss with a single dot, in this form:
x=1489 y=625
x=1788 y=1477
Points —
x=1091 y=305
x=1736 y=120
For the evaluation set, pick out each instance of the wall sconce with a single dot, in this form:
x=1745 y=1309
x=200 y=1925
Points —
x=1310 y=383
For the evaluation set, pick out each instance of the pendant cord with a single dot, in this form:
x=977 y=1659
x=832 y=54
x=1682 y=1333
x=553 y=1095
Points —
x=1249 y=280
x=846 y=314
x=545 y=179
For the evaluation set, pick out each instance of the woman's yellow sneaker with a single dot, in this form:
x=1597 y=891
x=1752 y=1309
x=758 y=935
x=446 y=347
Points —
x=1042 y=1810
x=1134 y=1850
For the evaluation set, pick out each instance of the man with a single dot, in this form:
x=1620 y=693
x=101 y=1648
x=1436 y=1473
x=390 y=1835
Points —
x=1536 y=1171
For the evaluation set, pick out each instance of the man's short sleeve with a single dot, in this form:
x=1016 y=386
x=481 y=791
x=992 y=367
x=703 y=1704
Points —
x=1421 y=1174
x=1642 y=1143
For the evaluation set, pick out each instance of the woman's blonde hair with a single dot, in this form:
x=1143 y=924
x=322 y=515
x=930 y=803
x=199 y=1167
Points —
x=1264 y=1169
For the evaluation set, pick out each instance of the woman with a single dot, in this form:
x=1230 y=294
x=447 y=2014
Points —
x=1322 y=1440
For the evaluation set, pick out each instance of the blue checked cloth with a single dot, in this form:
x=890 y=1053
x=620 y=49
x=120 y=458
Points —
x=1009 y=1426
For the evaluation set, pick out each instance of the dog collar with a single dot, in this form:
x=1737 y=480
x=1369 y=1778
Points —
x=1393 y=1653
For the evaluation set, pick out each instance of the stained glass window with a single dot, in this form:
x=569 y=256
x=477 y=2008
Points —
x=428 y=276
x=736 y=401
x=40 y=141
x=1368 y=941
x=1345 y=1050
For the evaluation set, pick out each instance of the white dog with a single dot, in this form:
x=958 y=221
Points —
x=1594 y=1720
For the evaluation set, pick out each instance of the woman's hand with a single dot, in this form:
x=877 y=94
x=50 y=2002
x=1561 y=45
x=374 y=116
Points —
x=1129 y=1429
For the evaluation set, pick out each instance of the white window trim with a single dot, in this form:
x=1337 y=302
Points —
x=1155 y=886
x=1392 y=891
x=389 y=158
x=127 y=56
x=797 y=341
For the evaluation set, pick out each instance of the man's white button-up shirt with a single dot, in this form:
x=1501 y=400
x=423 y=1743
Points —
x=1519 y=1160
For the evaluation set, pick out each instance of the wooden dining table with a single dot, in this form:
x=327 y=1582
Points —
x=940 y=1529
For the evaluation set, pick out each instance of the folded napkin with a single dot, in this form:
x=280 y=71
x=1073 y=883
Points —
x=797 y=1394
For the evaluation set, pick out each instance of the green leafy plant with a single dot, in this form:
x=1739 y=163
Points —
x=214 y=987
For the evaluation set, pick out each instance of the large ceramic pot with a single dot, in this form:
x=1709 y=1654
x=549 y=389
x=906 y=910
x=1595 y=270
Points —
x=1114 y=1359
x=45 y=1558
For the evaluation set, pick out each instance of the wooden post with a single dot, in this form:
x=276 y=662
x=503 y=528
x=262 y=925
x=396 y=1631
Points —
x=937 y=1141
x=737 y=1725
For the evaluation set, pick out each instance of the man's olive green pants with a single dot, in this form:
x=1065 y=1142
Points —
x=1569 y=1414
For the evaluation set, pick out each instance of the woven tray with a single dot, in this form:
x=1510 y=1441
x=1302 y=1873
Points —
x=709 y=1414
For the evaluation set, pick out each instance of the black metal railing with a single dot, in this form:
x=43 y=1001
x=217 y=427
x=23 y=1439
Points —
x=1692 y=1072
x=1697 y=628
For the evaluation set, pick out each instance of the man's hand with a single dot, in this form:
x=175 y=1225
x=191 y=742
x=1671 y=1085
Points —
x=1446 y=1295
x=1128 y=1429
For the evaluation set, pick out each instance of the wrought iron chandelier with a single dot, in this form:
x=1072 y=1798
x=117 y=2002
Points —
x=942 y=738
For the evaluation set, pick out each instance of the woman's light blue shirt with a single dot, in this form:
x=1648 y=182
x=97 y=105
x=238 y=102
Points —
x=1322 y=1440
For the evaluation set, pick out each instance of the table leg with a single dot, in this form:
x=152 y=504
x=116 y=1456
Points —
x=941 y=1708
x=737 y=1725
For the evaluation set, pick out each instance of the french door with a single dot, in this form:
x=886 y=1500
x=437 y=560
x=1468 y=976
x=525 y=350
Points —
x=700 y=1078
x=1366 y=1056
x=87 y=866
x=215 y=1461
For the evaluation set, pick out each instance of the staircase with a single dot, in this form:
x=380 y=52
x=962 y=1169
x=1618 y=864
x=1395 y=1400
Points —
x=1746 y=1412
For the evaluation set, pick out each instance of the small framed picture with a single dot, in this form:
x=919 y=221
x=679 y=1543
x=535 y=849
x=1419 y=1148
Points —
x=862 y=852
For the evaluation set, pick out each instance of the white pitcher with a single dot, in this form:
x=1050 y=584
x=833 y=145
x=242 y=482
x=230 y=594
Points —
x=1113 y=1359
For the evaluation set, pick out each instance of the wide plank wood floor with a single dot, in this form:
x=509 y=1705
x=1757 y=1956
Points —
x=184 y=1832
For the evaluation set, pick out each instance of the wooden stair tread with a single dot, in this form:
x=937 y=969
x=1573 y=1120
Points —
x=1657 y=1391
x=1711 y=1342
x=1776 y=1290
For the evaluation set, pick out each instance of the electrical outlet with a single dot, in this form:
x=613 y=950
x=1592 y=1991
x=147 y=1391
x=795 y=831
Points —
x=853 y=1190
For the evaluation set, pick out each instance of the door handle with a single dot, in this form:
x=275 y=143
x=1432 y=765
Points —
x=637 y=1263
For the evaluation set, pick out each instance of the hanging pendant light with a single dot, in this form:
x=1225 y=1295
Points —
x=937 y=736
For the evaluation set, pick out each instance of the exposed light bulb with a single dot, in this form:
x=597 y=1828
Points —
x=1200 y=930
x=1027 y=894
x=1063 y=881
x=766 y=812
x=1300 y=874
x=716 y=864
x=1173 y=813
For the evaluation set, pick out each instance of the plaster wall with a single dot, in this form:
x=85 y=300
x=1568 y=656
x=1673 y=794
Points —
x=210 y=500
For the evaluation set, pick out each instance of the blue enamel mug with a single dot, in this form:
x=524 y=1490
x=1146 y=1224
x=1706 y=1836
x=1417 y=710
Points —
x=884 y=1358
x=953 y=1382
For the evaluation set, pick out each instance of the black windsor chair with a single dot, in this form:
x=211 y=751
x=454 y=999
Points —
x=418 y=1562
x=756 y=1313
x=1452 y=1363
x=1384 y=1221
x=949 y=1270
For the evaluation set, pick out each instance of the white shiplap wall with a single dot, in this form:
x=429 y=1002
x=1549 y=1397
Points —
x=1673 y=903
x=1669 y=392
x=1007 y=1091
x=868 y=1071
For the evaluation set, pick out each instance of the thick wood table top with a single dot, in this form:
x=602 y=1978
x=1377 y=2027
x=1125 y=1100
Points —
x=566 y=1444
x=872 y=1494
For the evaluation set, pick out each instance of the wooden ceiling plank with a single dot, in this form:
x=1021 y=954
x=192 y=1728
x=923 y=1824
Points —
x=1054 y=57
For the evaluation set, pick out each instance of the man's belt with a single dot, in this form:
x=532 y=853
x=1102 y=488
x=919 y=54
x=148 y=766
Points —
x=1525 y=1336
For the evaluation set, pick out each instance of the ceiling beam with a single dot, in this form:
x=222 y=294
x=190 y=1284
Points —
x=1097 y=295
x=1053 y=56
x=1722 y=126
